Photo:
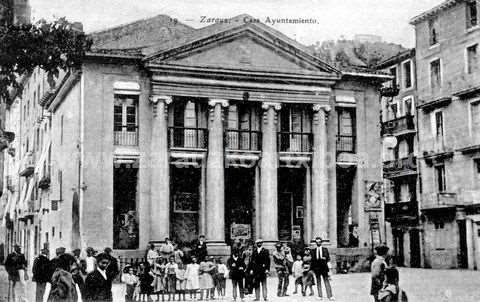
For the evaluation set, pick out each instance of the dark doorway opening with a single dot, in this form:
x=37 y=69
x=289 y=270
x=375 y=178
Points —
x=239 y=200
x=415 y=256
x=463 y=253
x=398 y=247
x=184 y=206
x=291 y=204
x=345 y=177
x=125 y=219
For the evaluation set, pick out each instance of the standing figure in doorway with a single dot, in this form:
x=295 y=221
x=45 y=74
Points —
x=320 y=266
x=260 y=269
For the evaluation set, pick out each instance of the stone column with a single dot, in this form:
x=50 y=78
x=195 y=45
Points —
x=268 y=175
x=320 y=172
x=215 y=203
x=160 y=170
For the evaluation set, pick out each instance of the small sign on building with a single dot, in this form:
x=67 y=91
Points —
x=240 y=231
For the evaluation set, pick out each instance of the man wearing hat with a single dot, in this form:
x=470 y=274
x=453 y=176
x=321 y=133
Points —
x=42 y=272
x=200 y=248
x=16 y=266
x=280 y=261
x=378 y=267
x=320 y=266
x=112 y=269
x=260 y=269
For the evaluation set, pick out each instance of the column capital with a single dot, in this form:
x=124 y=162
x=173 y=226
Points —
x=325 y=107
x=213 y=102
x=154 y=99
x=276 y=106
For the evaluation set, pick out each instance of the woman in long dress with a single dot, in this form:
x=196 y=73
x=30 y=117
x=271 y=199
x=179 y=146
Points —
x=159 y=278
x=191 y=274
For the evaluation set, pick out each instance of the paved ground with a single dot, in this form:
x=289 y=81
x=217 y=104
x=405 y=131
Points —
x=420 y=285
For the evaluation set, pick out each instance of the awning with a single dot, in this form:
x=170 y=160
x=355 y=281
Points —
x=41 y=161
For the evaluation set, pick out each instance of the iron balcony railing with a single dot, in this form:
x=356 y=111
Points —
x=295 y=142
x=248 y=140
x=401 y=210
x=127 y=136
x=400 y=166
x=187 y=137
x=399 y=124
x=346 y=143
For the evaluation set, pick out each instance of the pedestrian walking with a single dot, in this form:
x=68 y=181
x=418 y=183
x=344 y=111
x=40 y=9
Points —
x=16 y=266
x=297 y=270
x=41 y=273
x=192 y=276
x=280 y=262
x=320 y=266
x=220 y=277
x=62 y=286
x=171 y=271
x=390 y=291
x=131 y=281
x=181 y=286
x=260 y=269
x=200 y=248
x=152 y=255
x=90 y=260
x=377 y=269
x=237 y=269
x=98 y=286
x=112 y=269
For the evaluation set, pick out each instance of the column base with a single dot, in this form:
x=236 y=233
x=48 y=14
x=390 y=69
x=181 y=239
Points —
x=218 y=249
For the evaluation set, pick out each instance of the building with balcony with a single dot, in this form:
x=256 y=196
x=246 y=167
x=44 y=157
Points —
x=400 y=171
x=233 y=130
x=448 y=71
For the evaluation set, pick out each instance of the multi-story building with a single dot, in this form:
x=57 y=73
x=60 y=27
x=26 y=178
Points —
x=233 y=130
x=400 y=171
x=448 y=83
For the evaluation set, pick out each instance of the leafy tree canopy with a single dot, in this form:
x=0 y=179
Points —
x=52 y=46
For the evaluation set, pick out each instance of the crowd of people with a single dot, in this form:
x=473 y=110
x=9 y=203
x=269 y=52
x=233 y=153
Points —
x=169 y=273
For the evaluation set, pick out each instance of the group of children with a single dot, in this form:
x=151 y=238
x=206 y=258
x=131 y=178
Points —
x=170 y=277
x=303 y=275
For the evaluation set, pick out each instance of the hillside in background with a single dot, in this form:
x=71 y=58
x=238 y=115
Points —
x=352 y=53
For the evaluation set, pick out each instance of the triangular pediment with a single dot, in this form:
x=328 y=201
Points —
x=246 y=47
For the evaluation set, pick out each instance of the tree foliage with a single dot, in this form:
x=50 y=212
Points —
x=52 y=46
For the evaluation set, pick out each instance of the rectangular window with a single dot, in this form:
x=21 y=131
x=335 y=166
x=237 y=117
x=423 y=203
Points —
x=476 y=163
x=61 y=130
x=439 y=235
x=125 y=119
x=435 y=74
x=432 y=29
x=472 y=58
x=393 y=72
x=408 y=106
x=407 y=74
x=60 y=184
x=440 y=177
x=439 y=124
x=472 y=14
x=475 y=121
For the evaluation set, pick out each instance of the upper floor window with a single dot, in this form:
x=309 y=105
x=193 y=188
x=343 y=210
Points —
x=346 y=130
x=432 y=30
x=439 y=124
x=393 y=72
x=435 y=74
x=295 y=129
x=407 y=74
x=472 y=14
x=440 y=178
x=125 y=120
x=475 y=121
x=472 y=58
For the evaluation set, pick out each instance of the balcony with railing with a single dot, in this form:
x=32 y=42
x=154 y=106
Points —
x=401 y=211
x=187 y=137
x=243 y=140
x=439 y=200
x=127 y=136
x=27 y=165
x=400 y=125
x=346 y=143
x=406 y=166
x=295 y=142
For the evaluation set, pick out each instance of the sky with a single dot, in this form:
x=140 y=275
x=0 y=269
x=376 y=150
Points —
x=334 y=18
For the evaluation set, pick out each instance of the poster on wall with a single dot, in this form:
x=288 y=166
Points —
x=240 y=231
x=296 y=232
x=373 y=196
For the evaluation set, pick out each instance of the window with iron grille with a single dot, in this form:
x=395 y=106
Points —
x=472 y=14
x=472 y=58
x=432 y=29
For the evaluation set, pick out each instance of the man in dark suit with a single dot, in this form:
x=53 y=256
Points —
x=98 y=286
x=320 y=266
x=112 y=269
x=237 y=268
x=41 y=270
x=260 y=269
x=200 y=248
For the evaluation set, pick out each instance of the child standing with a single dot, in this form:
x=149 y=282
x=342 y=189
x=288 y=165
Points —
x=206 y=279
x=221 y=277
x=130 y=280
x=191 y=274
x=308 y=279
x=145 y=279
x=171 y=269
x=181 y=281
x=297 y=270
x=158 y=274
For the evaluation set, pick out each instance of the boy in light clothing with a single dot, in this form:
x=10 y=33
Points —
x=297 y=270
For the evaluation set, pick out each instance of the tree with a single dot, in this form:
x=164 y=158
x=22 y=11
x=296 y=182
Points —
x=52 y=46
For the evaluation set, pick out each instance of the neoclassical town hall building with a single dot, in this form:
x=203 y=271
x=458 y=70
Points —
x=232 y=130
